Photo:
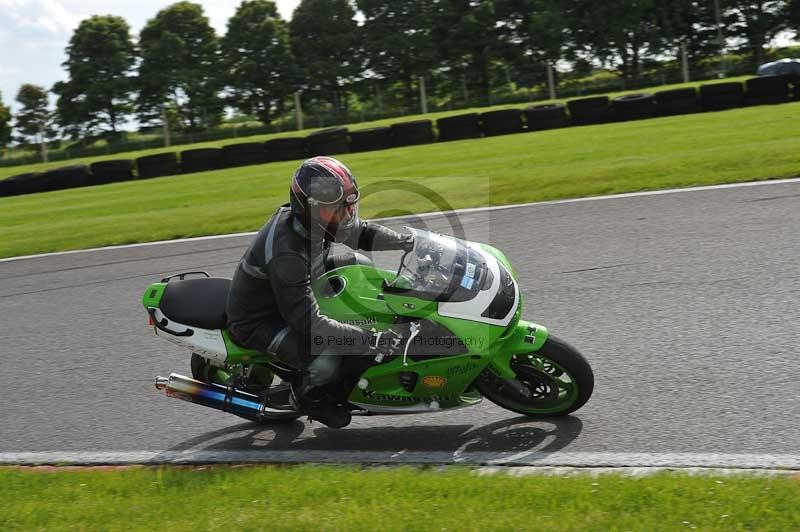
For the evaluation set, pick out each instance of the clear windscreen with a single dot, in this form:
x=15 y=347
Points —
x=440 y=268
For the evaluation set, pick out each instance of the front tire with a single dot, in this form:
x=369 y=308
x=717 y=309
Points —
x=554 y=381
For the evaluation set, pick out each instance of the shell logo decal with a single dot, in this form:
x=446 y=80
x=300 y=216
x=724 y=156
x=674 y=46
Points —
x=434 y=381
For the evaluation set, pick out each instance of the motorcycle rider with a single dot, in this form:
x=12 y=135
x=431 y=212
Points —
x=271 y=306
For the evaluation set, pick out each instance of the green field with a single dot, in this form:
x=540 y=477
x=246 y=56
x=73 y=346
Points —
x=339 y=498
x=15 y=170
x=731 y=146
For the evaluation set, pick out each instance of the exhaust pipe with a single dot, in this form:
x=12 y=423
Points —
x=218 y=397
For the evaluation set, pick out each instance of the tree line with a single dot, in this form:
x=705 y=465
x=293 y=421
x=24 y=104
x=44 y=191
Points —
x=178 y=71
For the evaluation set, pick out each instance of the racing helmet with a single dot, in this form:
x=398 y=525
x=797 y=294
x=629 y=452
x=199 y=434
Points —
x=324 y=197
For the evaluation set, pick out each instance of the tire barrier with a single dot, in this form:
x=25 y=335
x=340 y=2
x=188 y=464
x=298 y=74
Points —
x=594 y=110
x=29 y=183
x=286 y=149
x=503 y=122
x=459 y=127
x=159 y=165
x=767 y=90
x=243 y=154
x=412 y=133
x=376 y=138
x=719 y=96
x=329 y=141
x=547 y=116
x=676 y=102
x=73 y=176
x=7 y=188
x=634 y=107
x=104 y=172
x=201 y=160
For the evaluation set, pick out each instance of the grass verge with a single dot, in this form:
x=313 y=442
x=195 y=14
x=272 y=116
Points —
x=726 y=147
x=340 y=498
x=15 y=170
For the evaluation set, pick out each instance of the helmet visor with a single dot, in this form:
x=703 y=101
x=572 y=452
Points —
x=341 y=215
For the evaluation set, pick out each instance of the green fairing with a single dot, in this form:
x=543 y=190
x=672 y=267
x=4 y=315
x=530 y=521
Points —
x=241 y=355
x=152 y=296
x=356 y=295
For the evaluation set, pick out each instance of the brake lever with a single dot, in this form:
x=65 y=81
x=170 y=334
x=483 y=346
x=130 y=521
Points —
x=415 y=328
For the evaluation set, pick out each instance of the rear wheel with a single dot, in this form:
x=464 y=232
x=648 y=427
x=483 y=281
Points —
x=262 y=380
x=554 y=381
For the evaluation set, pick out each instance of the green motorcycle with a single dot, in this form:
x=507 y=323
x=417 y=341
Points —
x=460 y=303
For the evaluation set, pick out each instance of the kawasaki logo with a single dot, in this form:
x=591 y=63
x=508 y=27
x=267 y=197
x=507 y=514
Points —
x=361 y=323
x=402 y=399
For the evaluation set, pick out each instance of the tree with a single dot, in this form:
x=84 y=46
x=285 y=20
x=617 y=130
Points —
x=5 y=124
x=616 y=32
x=793 y=16
x=397 y=41
x=34 y=122
x=100 y=60
x=691 y=23
x=181 y=68
x=756 y=22
x=468 y=38
x=536 y=36
x=259 y=67
x=324 y=38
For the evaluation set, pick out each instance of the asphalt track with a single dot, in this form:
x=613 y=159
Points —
x=686 y=305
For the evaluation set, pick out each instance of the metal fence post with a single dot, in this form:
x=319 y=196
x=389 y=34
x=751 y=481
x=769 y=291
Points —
x=551 y=81
x=685 y=62
x=165 y=122
x=423 y=97
x=298 y=110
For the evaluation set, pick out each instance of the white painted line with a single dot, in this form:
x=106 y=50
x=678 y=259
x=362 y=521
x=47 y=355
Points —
x=470 y=210
x=127 y=246
x=525 y=471
x=533 y=458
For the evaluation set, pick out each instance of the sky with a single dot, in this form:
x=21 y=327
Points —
x=34 y=33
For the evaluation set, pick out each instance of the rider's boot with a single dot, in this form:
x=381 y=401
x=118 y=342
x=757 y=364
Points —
x=319 y=405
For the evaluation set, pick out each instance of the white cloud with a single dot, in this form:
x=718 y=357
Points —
x=35 y=33
x=52 y=16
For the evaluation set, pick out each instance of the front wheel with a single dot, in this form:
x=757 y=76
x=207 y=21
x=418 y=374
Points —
x=554 y=381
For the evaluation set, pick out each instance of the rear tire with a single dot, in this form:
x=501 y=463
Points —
x=557 y=379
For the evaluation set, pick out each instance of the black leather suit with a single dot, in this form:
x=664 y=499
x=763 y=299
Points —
x=271 y=306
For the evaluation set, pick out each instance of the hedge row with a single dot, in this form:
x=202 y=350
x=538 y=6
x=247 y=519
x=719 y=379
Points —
x=337 y=140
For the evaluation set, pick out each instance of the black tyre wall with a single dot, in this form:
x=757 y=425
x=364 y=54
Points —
x=547 y=116
x=766 y=90
x=159 y=165
x=412 y=133
x=503 y=122
x=286 y=149
x=67 y=177
x=634 y=107
x=328 y=141
x=466 y=126
x=243 y=154
x=111 y=171
x=7 y=188
x=377 y=138
x=677 y=102
x=201 y=160
x=594 y=110
x=29 y=183
x=719 y=96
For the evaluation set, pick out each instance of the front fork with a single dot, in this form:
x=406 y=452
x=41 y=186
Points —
x=527 y=337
